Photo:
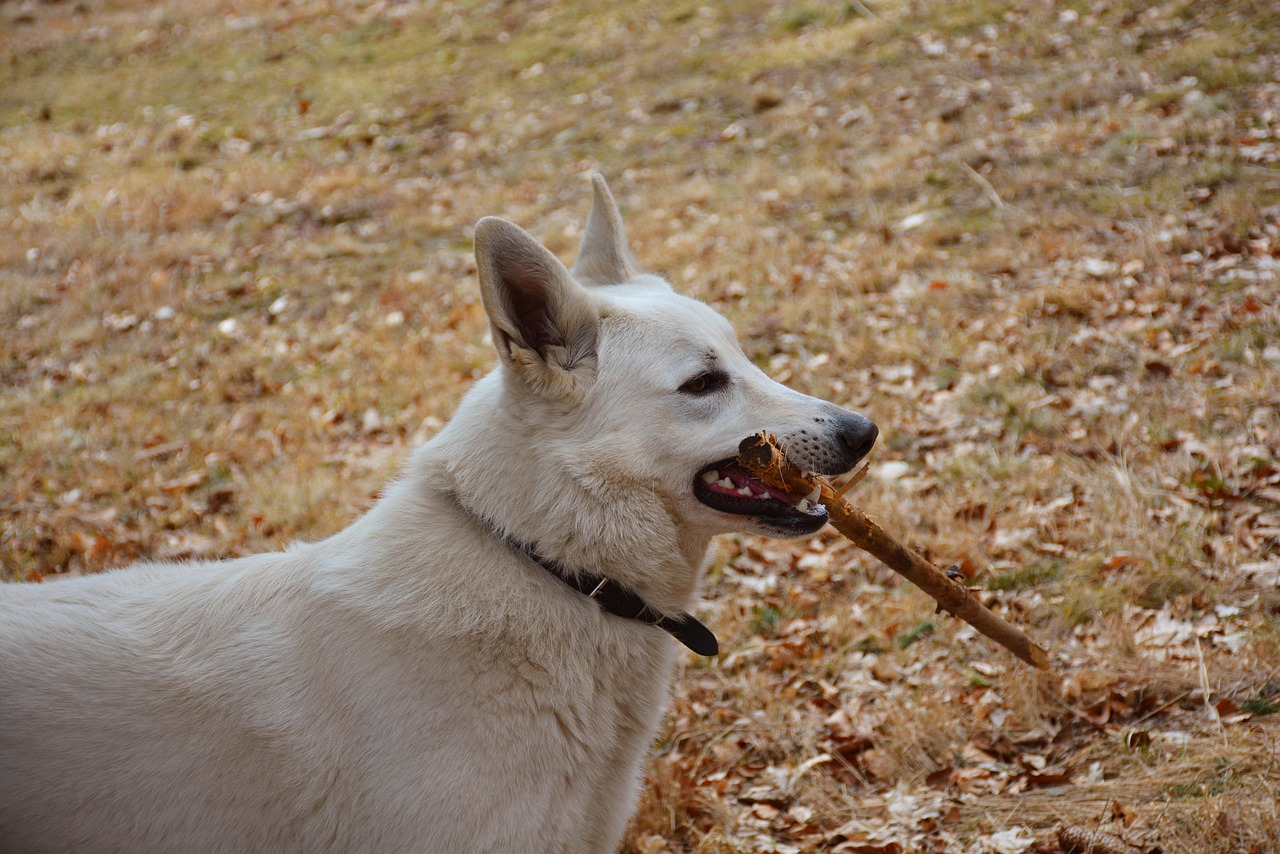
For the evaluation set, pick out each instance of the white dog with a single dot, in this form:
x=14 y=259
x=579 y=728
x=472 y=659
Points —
x=481 y=662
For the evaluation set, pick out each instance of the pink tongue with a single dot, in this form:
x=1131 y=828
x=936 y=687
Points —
x=741 y=478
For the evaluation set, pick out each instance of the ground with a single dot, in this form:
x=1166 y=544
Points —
x=1038 y=243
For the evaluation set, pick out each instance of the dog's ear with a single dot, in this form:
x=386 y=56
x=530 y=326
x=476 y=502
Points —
x=604 y=258
x=544 y=323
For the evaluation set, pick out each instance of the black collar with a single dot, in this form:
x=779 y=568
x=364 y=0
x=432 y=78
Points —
x=624 y=602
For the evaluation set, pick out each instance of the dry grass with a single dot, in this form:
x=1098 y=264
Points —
x=1037 y=243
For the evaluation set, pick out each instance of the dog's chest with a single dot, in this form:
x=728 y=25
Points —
x=548 y=739
x=596 y=695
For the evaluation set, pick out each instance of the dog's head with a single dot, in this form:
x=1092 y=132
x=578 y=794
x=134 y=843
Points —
x=645 y=393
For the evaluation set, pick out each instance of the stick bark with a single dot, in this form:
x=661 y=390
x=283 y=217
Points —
x=760 y=455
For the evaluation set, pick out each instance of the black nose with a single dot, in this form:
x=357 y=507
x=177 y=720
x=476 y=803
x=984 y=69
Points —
x=858 y=435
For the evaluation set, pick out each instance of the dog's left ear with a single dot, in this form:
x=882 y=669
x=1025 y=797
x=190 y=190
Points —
x=604 y=258
x=544 y=323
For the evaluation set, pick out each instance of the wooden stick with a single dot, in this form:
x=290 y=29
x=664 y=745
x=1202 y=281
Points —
x=760 y=455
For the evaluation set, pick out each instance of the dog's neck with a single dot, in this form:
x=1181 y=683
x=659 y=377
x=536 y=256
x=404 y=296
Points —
x=502 y=469
x=612 y=596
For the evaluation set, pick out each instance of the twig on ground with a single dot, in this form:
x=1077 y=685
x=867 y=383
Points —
x=1204 y=689
x=863 y=10
x=984 y=183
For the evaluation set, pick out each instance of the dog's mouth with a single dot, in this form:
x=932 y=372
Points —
x=727 y=487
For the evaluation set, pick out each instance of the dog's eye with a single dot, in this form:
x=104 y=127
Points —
x=705 y=383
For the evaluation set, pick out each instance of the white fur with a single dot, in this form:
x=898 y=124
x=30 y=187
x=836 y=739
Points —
x=412 y=683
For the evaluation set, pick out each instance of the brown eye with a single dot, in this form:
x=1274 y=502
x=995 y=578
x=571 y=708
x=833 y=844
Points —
x=704 y=383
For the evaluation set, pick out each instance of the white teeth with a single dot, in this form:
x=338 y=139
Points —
x=710 y=476
x=745 y=491
x=726 y=483
x=803 y=506
x=815 y=495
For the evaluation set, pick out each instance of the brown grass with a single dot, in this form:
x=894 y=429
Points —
x=1037 y=243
